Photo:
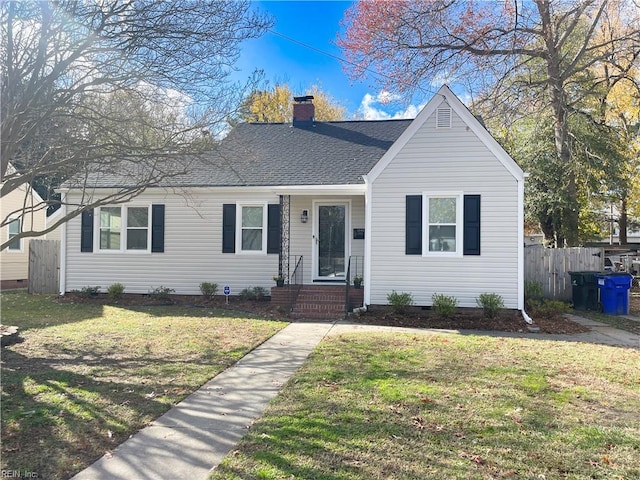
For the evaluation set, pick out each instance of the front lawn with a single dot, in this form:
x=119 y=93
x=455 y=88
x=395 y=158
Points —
x=87 y=376
x=382 y=406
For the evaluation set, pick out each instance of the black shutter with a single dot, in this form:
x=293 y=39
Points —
x=86 y=231
x=413 y=232
x=229 y=228
x=157 y=228
x=273 y=228
x=471 y=222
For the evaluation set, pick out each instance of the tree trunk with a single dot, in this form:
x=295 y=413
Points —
x=546 y=225
x=555 y=82
x=622 y=222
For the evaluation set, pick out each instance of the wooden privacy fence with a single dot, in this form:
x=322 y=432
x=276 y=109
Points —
x=551 y=266
x=44 y=266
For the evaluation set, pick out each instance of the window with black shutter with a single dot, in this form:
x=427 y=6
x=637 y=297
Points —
x=471 y=225
x=229 y=228
x=86 y=231
x=413 y=225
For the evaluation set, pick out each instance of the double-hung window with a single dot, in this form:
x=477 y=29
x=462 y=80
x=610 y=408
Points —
x=137 y=228
x=124 y=228
x=252 y=223
x=14 y=230
x=443 y=224
x=110 y=228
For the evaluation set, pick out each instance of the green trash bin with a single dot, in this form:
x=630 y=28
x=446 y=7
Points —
x=584 y=289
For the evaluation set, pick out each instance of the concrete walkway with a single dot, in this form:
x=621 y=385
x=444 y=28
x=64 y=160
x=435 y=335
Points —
x=605 y=334
x=194 y=436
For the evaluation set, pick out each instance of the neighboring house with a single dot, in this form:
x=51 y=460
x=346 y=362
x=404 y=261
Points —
x=55 y=234
x=430 y=205
x=14 y=260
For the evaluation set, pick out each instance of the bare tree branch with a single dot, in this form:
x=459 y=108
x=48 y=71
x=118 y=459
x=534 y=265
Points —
x=86 y=85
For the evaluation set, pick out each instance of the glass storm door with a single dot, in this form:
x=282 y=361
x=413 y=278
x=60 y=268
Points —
x=331 y=242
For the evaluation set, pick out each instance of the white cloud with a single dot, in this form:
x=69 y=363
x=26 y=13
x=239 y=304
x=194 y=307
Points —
x=378 y=107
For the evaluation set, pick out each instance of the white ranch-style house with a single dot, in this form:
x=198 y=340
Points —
x=430 y=205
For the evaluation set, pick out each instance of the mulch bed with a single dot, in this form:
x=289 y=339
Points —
x=469 y=319
x=464 y=319
x=261 y=308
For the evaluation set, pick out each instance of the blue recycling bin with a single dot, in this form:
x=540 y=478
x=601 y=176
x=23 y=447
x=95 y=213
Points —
x=614 y=292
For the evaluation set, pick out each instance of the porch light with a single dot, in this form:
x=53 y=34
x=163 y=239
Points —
x=304 y=217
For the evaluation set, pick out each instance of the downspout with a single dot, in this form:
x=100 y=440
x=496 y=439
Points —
x=63 y=248
x=525 y=316
x=367 y=243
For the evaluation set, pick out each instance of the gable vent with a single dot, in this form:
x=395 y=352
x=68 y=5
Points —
x=443 y=117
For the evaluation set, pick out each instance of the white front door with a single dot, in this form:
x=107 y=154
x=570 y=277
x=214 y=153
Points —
x=331 y=240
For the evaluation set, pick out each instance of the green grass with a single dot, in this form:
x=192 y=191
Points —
x=612 y=320
x=88 y=376
x=462 y=407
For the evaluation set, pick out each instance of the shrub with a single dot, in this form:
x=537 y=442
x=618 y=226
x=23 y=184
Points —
x=444 y=305
x=87 y=292
x=115 y=290
x=161 y=293
x=491 y=304
x=533 y=292
x=209 y=289
x=400 y=302
x=549 y=308
x=254 y=293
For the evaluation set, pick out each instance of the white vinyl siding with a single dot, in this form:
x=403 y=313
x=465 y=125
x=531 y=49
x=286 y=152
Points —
x=192 y=253
x=445 y=160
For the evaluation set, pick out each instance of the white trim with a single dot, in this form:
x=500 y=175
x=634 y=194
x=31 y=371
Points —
x=356 y=189
x=149 y=228
x=521 y=244
x=63 y=247
x=314 y=242
x=345 y=189
x=445 y=94
x=368 y=233
x=459 y=196
x=265 y=220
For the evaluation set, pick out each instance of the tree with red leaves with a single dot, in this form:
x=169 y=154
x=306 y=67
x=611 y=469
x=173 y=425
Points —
x=525 y=54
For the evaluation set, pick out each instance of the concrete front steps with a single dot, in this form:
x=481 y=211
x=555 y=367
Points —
x=321 y=302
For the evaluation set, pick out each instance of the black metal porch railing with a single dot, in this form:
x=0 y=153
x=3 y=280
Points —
x=355 y=269
x=295 y=280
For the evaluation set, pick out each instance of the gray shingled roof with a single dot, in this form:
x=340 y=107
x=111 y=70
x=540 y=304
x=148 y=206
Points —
x=275 y=154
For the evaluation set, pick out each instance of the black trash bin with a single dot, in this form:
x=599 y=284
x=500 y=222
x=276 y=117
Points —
x=584 y=286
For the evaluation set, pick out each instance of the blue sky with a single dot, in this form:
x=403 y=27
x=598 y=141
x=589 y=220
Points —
x=317 y=24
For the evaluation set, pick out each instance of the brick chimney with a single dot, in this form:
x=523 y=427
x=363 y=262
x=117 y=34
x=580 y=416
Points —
x=303 y=111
